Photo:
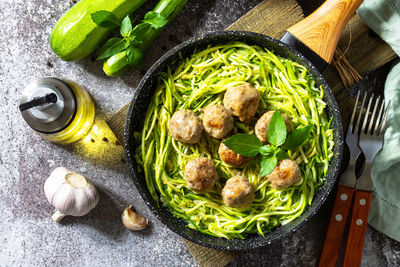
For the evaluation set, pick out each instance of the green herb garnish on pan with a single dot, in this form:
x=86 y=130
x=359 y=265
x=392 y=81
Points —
x=249 y=145
x=201 y=81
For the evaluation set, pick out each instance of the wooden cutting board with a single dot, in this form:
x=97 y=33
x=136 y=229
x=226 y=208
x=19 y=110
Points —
x=272 y=17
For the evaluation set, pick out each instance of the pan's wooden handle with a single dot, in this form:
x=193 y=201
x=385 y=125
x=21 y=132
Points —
x=357 y=229
x=334 y=235
x=321 y=30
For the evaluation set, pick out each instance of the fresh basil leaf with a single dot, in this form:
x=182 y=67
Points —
x=266 y=150
x=112 y=47
x=135 y=56
x=133 y=40
x=276 y=133
x=297 y=137
x=126 y=27
x=268 y=164
x=140 y=31
x=244 y=144
x=105 y=19
x=111 y=42
x=155 y=19
x=282 y=154
x=130 y=54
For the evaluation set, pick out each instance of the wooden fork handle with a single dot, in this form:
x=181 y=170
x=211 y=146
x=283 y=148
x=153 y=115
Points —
x=334 y=235
x=357 y=229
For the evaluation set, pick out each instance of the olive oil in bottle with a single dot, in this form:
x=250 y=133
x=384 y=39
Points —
x=60 y=111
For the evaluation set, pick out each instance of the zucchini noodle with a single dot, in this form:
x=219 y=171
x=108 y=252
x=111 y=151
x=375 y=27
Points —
x=202 y=80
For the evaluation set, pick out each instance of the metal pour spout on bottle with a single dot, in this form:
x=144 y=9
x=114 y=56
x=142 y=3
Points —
x=62 y=112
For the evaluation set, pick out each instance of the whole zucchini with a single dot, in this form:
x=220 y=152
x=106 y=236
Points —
x=76 y=36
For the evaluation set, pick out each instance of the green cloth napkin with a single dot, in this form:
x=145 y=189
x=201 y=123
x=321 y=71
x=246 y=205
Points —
x=383 y=17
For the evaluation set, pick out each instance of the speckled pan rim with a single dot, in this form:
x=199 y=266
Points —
x=254 y=241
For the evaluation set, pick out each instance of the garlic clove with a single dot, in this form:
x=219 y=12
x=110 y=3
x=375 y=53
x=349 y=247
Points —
x=132 y=220
x=56 y=178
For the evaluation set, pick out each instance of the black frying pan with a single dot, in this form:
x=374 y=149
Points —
x=326 y=25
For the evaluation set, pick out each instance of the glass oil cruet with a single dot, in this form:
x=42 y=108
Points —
x=60 y=111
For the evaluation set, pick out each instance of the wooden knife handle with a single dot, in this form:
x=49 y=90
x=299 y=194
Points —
x=357 y=228
x=321 y=30
x=334 y=235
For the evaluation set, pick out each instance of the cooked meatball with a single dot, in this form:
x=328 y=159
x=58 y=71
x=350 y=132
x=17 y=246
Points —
x=242 y=101
x=231 y=157
x=185 y=127
x=200 y=174
x=261 y=128
x=286 y=173
x=217 y=121
x=238 y=192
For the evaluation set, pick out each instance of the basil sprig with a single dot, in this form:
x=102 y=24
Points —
x=132 y=37
x=105 y=19
x=247 y=145
x=250 y=146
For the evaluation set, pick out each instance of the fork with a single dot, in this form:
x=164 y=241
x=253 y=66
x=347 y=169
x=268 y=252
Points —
x=343 y=199
x=370 y=142
x=348 y=183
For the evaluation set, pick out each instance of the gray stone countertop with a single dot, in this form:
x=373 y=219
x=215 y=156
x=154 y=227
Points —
x=28 y=236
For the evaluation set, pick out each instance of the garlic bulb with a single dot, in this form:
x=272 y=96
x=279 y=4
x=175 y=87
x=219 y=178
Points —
x=132 y=220
x=70 y=193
